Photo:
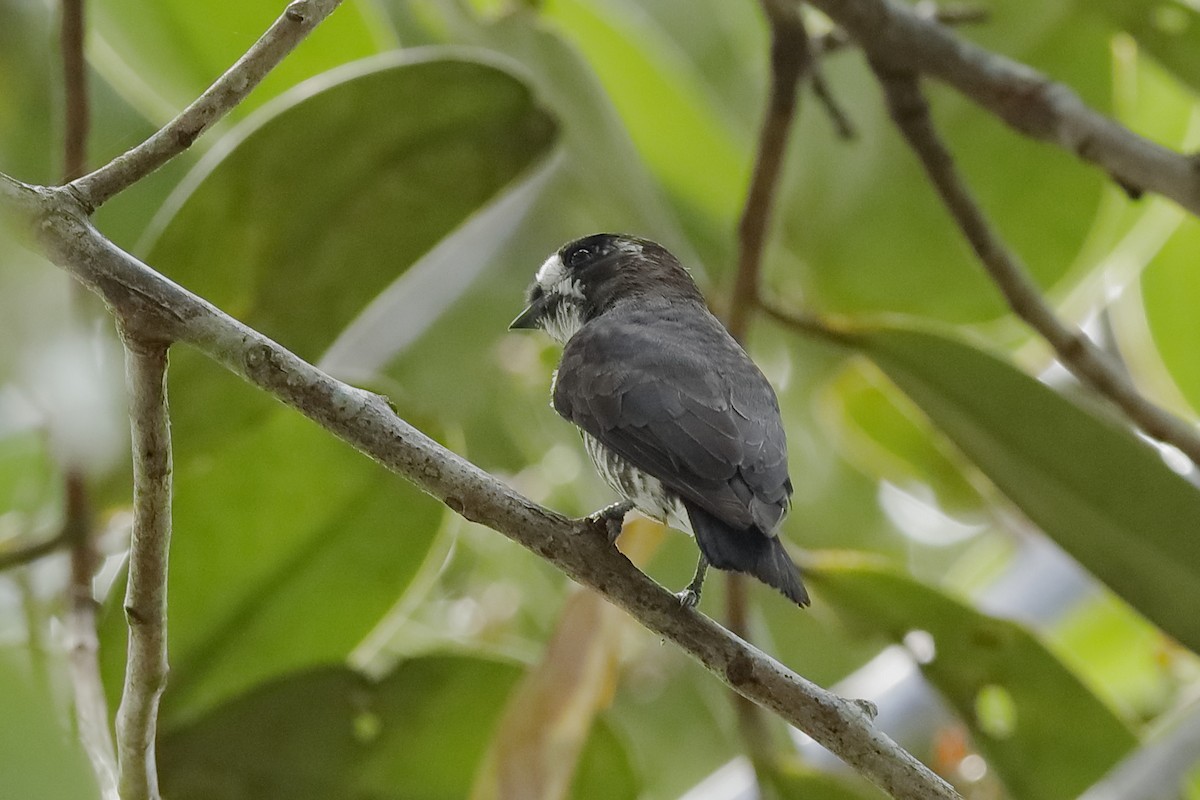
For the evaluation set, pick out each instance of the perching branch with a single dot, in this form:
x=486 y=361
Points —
x=1075 y=350
x=894 y=34
x=146 y=592
x=364 y=420
x=230 y=89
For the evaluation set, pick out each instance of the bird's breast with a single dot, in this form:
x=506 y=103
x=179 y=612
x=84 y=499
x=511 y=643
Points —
x=645 y=491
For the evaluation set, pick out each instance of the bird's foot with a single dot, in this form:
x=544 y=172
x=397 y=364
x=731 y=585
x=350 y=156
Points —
x=690 y=597
x=611 y=519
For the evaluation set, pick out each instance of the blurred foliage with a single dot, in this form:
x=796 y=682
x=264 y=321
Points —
x=379 y=204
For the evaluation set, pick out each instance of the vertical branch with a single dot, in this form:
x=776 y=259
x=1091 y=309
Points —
x=790 y=58
x=74 y=90
x=1074 y=349
x=91 y=709
x=146 y=594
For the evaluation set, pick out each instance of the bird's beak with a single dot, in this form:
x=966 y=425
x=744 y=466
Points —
x=530 y=317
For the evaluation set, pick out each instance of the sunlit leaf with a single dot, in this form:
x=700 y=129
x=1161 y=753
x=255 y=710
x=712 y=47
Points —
x=1106 y=498
x=164 y=54
x=1168 y=29
x=676 y=126
x=1170 y=292
x=1000 y=679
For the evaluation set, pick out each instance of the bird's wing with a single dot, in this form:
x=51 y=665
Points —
x=686 y=406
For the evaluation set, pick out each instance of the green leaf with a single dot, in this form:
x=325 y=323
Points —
x=418 y=732
x=1168 y=29
x=1000 y=679
x=40 y=756
x=882 y=434
x=310 y=209
x=664 y=104
x=1170 y=292
x=288 y=548
x=864 y=232
x=315 y=205
x=1107 y=499
x=26 y=93
x=162 y=55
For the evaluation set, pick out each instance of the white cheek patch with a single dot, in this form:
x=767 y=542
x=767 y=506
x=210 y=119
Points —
x=551 y=272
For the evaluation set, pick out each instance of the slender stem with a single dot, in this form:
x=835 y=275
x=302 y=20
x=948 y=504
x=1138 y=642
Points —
x=146 y=593
x=218 y=100
x=367 y=422
x=91 y=707
x=789 y=59
x=953 y=15
x=1074 y=349
x=31 y=552
x=74 y=90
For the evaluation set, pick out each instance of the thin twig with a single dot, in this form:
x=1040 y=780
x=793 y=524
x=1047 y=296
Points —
x=1075 y=350
x=367 y=422
x=146 y=592
x=230 y=89
x=91 y=707
x=894 y=34
x=75 y=98
x=953 y=15
x=790 y=60
x=31 y=552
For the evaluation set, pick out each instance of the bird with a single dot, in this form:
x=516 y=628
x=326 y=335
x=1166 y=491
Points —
x=676 y=417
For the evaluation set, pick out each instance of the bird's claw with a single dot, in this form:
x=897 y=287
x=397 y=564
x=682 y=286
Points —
x=688 y=598
x=611 y=519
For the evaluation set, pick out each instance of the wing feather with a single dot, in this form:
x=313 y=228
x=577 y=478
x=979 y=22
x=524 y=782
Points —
x=685 y=404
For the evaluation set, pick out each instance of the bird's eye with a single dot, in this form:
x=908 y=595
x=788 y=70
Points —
x=579 y=256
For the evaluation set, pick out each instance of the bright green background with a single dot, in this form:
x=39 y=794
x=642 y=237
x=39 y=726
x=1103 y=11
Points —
x=378 y=206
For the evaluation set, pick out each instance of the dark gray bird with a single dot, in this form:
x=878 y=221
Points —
x=677 y=418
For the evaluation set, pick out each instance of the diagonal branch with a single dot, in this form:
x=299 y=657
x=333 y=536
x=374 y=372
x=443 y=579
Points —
x=894 y=34
x=230 y=89
x=366 y=421
x=146 y=592
x=1075 y=350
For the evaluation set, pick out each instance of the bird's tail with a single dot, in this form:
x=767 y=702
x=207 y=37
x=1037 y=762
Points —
x=748 y=551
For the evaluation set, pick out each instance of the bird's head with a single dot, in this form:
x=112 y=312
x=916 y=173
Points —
x=589 y=276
